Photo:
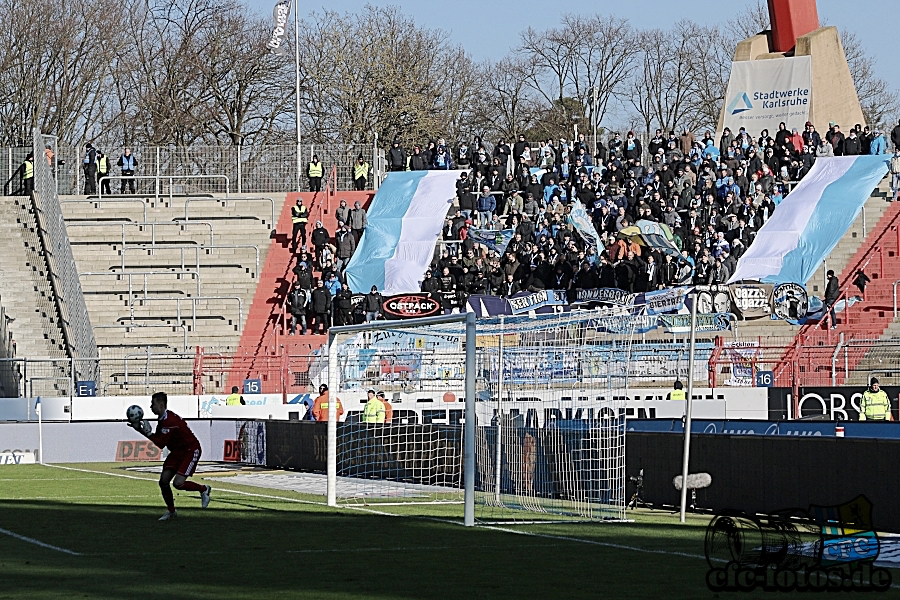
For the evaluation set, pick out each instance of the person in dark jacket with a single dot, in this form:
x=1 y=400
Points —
x=895 y=136
x=418 y=161
x=321 y=307
x=298 y=301
x=861 y=281
x=832 y=293
x=431 y=286
x=397 y=157
x=372 y=304
x=343 y=306
x=320 y=237
x=346 y=246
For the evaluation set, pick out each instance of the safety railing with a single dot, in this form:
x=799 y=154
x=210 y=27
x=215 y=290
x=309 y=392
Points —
x=157 y=179
x=146 y=275
x=152 y=225
x=224 y=202
x=194 y=300
x=129 y=326
x=98 y=202
x=197 y=252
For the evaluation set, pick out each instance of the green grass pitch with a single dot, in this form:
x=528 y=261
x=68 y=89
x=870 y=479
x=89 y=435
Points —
x=106 y=543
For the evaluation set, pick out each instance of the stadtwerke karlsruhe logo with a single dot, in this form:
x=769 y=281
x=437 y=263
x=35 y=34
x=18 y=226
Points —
x=744 y=100
x=821 y=549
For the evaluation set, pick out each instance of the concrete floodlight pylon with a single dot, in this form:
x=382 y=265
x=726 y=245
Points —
x=833 y=95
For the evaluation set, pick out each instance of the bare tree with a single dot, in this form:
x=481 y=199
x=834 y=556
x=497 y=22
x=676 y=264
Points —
x=376 y=71
x=663 y=89
x=877 y=97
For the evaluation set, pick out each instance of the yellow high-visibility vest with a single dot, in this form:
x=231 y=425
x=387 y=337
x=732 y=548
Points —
x=299 y=214
x=315 y=169
x=361 y=170
x=102 y=165
x=233 y=400
x=29 y=170
x=677 y=395
x=875 y=406
x=373 y=412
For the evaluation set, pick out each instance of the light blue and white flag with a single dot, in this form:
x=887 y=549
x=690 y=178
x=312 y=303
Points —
x=810 y=221
x=579 y=219
x=403 y=225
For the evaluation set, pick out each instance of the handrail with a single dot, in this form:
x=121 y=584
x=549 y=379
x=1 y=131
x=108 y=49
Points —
x=893 y=226
x=837 y=350
x=197 y=249
x=896 y=283
x=54 y=275
x=107 y=200
x=151 y=224
x=130 y=274
x=226 y=200
x=193 y=299
x=158 y=178
x=136 y=325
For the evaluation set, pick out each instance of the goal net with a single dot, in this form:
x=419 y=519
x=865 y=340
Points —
x=412 y=450
x=550 y=436
x=548 y=393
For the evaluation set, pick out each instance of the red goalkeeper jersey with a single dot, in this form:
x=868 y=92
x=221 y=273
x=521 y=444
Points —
x=173 y=432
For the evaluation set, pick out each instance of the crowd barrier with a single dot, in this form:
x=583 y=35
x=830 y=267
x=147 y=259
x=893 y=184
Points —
x=107 y=441
x=763 y=474
x=848 y=429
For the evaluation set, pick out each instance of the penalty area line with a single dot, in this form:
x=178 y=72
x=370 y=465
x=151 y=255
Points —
x=215 y=489
x=25 y=538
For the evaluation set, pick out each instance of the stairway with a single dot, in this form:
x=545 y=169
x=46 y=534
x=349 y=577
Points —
x=28 y=300
x=264 y=335
x=816 y=347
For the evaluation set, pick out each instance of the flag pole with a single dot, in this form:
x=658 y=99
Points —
x=297 y=89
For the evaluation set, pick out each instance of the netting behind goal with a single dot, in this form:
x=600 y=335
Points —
x=550 y=436
x=549 y=400
x=416 y=455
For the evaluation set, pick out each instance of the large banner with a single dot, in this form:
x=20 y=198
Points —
x=763 y=93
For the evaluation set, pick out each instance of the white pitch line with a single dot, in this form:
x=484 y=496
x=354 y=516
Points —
x=595 y=543
x=215 y=489
x=38 y=542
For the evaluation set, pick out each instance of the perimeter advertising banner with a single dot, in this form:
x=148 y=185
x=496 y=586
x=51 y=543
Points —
x=763 y=93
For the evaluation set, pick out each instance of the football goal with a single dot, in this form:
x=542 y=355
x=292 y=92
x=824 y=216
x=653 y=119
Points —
x=512 y=417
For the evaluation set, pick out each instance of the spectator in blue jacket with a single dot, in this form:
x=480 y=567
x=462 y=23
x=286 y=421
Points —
x=878 y=144
x=711 y=152
x=485 y=205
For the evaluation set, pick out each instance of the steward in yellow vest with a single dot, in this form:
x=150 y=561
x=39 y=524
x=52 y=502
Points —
x=314 y=172
x=875 y=404
x=678 y=393
x=374 y=409
x=234 y=398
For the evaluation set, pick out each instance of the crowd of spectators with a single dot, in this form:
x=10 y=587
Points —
x=713 y=194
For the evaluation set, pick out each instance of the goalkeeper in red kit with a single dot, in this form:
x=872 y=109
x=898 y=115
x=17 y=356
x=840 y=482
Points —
x=172 y=432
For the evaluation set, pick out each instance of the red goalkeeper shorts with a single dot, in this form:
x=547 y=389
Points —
x=183 y=462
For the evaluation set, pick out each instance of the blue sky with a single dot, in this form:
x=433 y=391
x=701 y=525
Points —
x=490 y=29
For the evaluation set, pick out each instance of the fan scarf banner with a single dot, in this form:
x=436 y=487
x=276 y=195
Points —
x=280 y=14
x=495 y=240
x=763 y=93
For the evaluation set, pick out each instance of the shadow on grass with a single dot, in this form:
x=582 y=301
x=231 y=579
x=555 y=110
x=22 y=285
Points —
x=229 y=551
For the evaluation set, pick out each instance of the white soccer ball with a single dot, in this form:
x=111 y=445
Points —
x=134 y=413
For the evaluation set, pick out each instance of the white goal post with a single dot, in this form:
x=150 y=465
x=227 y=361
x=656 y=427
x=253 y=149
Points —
x=513 y=417
x=468 y=320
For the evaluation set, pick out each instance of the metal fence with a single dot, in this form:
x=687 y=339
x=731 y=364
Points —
x=165 y=170
x=76 y=323
x=734 y=363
